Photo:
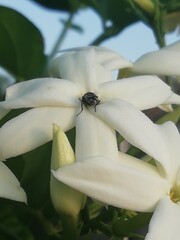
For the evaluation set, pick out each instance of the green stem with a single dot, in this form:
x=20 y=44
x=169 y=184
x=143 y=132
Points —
x=70 y=227
x=62 y=35
x=158 y=24
x=159 y=36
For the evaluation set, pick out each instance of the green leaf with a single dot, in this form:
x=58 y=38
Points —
x=115 y=15
x=125 y=227
x=21 y=45
x=16 y=164
x=94 y=210
x=62 y=5
x=170 y=5
x=172 y=116
x=36 y=175
x=11 y=225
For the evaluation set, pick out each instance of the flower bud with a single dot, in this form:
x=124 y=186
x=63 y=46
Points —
x=146 y=5
x=65 y=199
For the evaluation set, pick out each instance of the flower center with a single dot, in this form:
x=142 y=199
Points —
x=175 y=194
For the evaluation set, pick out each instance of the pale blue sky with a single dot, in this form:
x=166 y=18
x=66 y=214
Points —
x=132 y=43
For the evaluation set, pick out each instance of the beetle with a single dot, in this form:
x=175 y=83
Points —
x=89 y=99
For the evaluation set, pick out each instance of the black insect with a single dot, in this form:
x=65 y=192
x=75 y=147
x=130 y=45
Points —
x=89 y=99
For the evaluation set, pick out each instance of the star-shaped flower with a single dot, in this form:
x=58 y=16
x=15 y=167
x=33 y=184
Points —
x=85 y=81
x=124 y=181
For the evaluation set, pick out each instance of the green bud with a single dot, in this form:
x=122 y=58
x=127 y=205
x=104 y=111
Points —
x=146 y=5
x=66 y=200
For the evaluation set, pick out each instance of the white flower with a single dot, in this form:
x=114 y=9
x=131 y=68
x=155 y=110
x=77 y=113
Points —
x=55 y=100
x=10 y=186
x=130 y=183
x=165 y=61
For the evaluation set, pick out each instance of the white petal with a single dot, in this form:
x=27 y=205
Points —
x=143 y=91
x=94 y=137
x=166 y=108
x=173 y=46
x=95 y=48
x=81 y=68
x=129 y=183
x=102 y=75
x=112 y=60
x=136 y=128
x=41 y=92
x=9 y=185
x=165 y=61
x=106 y=57
x=165 y=221
x=173 y=99
x=32 y=129
x=171 y=138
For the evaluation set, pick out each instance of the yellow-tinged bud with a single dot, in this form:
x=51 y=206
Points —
x=66 y=200
x=62 y=152
x=146 y=5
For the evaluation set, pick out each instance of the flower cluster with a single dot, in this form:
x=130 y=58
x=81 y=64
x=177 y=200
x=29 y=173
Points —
x=82 y=93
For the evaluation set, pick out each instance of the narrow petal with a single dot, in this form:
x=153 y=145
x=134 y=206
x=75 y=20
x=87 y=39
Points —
x=143 y=91
x=32 y=129
x=94 y=137
x=173 y=99
x=129 y=183
x=165 y=221
x=171 y=138
x=112 y=60
x=165 y=61
x=136 y=128
x=10 y=187
x=79 y=67
x=105 y=56
x=41 y=92
x=86 y=68
x=166 y=108
x=173 y=46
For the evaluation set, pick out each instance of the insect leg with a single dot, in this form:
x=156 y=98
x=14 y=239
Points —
x=96 y=105
x=81 y=107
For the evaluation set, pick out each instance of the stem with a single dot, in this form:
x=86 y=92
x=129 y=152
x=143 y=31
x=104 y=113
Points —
x=62 y=35
x=159 y=36
x=158 y=24
x=70 y=227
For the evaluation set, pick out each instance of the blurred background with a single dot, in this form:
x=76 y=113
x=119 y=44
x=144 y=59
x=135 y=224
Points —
x=132 y=39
